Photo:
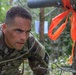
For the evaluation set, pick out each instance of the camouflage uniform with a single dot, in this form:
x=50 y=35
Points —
x=11 y=59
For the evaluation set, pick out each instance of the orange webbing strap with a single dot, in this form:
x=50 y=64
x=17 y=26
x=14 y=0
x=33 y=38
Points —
x=54 y=23
x=73 y=34
x=72 y=54
x=66 y=4
x=57 y=20
x=73 y=26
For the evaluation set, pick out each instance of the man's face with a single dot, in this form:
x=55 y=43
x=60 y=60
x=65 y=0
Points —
x=16 y=34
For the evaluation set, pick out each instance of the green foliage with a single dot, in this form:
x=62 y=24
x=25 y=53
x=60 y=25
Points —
x=4 y=6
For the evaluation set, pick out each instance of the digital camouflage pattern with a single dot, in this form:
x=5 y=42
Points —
x=11 y=59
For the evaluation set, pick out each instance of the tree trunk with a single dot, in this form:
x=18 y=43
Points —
x=74 y=60
x=41 y=29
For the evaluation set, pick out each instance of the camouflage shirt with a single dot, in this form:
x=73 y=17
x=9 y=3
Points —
x=11 y=59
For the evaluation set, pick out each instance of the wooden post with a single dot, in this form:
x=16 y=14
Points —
x=74 y=60
x=41 y=29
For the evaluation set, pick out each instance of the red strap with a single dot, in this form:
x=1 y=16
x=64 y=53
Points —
x=66 y=4
x=73 y=26
x=55 y=22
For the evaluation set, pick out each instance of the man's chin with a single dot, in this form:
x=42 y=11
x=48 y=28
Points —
x=18 y=48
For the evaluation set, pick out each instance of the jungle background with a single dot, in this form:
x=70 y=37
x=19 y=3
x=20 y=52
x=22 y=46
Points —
x=59 y=50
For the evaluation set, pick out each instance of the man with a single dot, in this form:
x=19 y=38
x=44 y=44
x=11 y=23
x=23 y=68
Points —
x=17 y=44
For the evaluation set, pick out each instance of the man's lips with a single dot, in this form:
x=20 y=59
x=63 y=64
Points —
x=20 y=43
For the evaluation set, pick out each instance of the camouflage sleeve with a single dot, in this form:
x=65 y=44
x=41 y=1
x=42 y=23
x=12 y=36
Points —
x=39 y=58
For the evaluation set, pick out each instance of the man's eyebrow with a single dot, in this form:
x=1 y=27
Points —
x=18 y=29
x=22 y=30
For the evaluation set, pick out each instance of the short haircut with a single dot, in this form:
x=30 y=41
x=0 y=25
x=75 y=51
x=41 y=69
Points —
x=16 y=11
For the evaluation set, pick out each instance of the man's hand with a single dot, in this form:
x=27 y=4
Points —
x=40 y=70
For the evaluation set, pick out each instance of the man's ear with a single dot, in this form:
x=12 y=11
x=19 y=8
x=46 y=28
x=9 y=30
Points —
x=4 y=26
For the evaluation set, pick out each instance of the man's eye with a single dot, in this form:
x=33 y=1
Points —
x=18 y=30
